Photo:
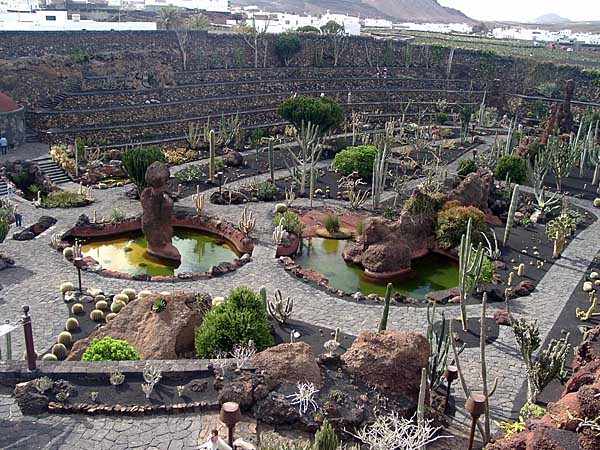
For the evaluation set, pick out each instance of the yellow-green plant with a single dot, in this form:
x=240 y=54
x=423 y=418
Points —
x=557 y=231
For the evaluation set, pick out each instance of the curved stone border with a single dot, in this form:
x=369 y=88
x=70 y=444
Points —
x=207 y=225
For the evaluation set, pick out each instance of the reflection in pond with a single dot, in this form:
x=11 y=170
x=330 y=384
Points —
x=127 y=254
x=430 y=273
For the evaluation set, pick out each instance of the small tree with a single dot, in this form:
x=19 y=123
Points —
x=561 y=156
x=324 y=112
x=339 y=40
x=169 y=17
x=198 y=22
x=286 y=46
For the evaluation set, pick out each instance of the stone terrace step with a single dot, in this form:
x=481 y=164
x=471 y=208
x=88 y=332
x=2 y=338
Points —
x=52 y=170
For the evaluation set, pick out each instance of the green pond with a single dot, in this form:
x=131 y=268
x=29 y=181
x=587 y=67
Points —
x=127 y=254
x=430 y=273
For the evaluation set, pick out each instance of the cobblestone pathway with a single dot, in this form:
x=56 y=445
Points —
x=40 y=270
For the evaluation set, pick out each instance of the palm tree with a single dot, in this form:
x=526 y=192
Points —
x=168 y=17
x=198 y=22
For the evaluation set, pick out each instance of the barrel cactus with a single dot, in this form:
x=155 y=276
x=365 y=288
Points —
x=130 y=293
x=49 y=357
x=280 y=208
x=71 y=324
x=66 y=287
x=143 y=294
x=77 y=308
x=110 y=316
x=116 y=307
x=60 y=351
x=68 y=252
x=65 y=338
x=102 y=305
x=100 y=298
x=25 y=355
x=121 y=297
x=97 y=315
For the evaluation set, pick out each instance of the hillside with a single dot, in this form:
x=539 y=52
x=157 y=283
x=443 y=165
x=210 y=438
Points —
x=550 y=18
x=397 y=10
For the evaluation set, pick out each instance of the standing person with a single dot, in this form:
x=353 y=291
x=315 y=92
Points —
x=385 y=72
x=18 y=216
x=215 y=442
x=3 y=145
x=9 y=189
x=349 y=98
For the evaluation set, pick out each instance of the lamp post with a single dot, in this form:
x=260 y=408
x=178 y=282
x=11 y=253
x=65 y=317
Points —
x=78 y=262
x=219 y=177
x=451 y=374
x=230 y=415
x=476 y=407
x=28 y=332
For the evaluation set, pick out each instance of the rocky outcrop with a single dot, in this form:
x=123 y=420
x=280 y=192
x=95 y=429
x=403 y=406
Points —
x=391 y=360
x=386 y=247
x=164 y=335
x=33 y=397
x=289 y=363
x=42 y=224
x=233 y=158
x=156 y=216
x=475 y=190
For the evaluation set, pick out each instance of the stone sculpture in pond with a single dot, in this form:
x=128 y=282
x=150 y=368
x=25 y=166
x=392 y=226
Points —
x=157 y=210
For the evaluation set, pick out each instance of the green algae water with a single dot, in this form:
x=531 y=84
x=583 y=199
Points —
x=430 y=273
x=127 y=254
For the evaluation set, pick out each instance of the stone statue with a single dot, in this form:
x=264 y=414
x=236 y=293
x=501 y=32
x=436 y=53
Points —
x=157 y=209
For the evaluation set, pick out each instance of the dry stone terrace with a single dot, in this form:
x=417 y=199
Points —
x=40 y=269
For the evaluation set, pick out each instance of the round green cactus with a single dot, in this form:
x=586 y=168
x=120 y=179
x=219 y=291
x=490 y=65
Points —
x=60 y=351
x=110 y=316
x=71 y=324
x=49 y=357
x=68 y=252
x=25 y=355
x=280 y=208
x=121 y=297
x=117 y=306
x=97 y=315
x=102 y=305
x=100 y=298
x=144 y=294
x=129 y=293
x=77 y=308
x=65 y=338
x=66 y=287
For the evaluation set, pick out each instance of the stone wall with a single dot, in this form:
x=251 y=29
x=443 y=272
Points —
x=12 y=125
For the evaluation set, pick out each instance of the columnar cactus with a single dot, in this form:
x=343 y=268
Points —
x=212 y=152
x=514 y=201
x=271 y=161
x=198 y=200
x=521 y=270
x=280 y=310
x=468 y=271
x=278 y=233
x=247 y=222
x=386 y=308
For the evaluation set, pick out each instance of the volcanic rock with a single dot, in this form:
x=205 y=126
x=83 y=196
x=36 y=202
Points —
x=233 y=158
x=289 y=363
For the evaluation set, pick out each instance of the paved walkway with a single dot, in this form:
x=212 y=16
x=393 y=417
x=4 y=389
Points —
x=40 y=270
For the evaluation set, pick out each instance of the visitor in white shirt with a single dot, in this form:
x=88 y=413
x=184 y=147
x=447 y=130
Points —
x=215 y=442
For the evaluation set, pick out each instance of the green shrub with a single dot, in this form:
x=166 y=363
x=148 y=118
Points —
x=242 y=317
x=452 y=223
x=266 y=191
x=117 y=216
x=6 y=216
x=308 y=29
x=331 y=223
x=512 y=166
x=325 y=112
x=190 y=174
x=109 y=349
x=441 y=118
x=137 y=160
x=359 y=228
x=356 y=159
x=291 y=222
x=465 y=167
x=486 y=275
x=63 y=199
x=286 y=46
x=325 y=438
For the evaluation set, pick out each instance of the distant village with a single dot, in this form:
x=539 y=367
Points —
x=52 y=15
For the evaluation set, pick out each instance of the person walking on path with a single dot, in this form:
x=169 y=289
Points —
x=215 y=442
x=9 y=189
x=3 y=145
x=18 y=216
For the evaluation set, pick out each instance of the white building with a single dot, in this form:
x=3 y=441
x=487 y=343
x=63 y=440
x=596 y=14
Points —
x=46 y=20
x=206 y=5
x=436 y=27
x=276 y=22
x=19 y=5
x=377 y=23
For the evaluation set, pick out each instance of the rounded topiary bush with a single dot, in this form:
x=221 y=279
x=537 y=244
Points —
x=109 y=349
x=102 y=305
x=240 y=318
x=130 y=293
x=60 y=351
x=452 y=224
x=71 y=324
x=77 y=308
x=66 y=287
x=96 y=315
x=513 y=167
x=49 y=357
x=65 y=338
x=356 y=159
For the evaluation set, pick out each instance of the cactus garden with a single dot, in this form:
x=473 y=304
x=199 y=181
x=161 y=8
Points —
x=413 y=264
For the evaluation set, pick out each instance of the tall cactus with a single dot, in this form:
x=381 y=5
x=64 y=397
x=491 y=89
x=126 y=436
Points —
x=468 y=271
x=262 y=291
x=212 y=152
x=514 y=201
x=379 y=176
x=271 y=161
x=325 y=438
x=386 y=308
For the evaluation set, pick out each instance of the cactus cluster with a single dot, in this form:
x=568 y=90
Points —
x=468 y=271
x=279 y=233
x=279 y=309
x=198 y=200
x=247 y=222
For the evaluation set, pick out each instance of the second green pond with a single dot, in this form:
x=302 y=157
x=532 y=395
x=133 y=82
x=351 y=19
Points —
x=430 y=273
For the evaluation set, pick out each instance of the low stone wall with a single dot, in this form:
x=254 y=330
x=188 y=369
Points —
x=12 y=125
